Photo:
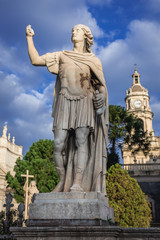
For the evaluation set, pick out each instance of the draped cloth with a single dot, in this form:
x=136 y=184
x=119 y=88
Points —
x=95 y=172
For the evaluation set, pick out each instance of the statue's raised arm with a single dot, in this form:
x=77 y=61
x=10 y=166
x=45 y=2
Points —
x=33 y=54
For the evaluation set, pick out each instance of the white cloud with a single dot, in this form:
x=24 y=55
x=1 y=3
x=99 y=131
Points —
x=28 y=113
x=12 y=62
x=9 y=88
x=153 y=5
x=141 y=46
x=51 y=20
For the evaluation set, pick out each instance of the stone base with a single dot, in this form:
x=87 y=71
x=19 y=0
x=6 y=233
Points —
x=67 y=222
x=79 y=206
x=85 y=233
x=76 y=216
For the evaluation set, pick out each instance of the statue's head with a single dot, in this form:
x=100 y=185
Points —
x=32 y=184
x=81 y=32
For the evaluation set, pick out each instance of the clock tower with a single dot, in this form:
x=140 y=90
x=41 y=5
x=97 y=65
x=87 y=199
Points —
x=145 y=168
x=137 y=103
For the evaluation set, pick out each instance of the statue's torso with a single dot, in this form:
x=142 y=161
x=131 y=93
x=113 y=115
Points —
x=75 y=78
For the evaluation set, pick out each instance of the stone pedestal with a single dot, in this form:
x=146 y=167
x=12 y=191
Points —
x=70 y=208
x=85 y=233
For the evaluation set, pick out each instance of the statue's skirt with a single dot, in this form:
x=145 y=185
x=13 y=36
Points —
x=72 y=112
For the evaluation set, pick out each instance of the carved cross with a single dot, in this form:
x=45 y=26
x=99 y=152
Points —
x=26 y=191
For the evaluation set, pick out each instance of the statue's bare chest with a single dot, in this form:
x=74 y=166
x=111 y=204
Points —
x=74 y=76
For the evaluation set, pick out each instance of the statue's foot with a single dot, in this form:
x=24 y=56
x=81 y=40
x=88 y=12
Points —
x=59 y=187
x=76 y=188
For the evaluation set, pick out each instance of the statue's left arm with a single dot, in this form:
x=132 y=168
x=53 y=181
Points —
x=100 y=95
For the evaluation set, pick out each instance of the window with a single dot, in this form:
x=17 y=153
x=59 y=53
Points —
x=136 y=79
x=140 y=121
x=129 y=104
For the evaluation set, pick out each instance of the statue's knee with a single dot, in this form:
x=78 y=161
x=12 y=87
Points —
x=80 y=140
x=58 y=145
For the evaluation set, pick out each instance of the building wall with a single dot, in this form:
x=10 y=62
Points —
x=144 y=168
x=9 y=152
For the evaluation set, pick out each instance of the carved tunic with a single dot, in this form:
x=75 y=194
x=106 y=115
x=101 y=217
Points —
x=74 y=107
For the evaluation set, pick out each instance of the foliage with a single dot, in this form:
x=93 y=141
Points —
x=117 y=130
x=113 y=158
x=39 y=161
x=125 y=128
x=136 y=139
x=131 y=208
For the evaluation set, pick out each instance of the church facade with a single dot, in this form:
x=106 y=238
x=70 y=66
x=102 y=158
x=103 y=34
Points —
x=144 y=168
x=9 y=152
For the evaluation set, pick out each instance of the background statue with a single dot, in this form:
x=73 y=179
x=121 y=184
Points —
x=31 y=191
x=4 y=131
x=80 y=112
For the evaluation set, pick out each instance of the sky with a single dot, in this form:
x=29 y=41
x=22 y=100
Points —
x=126 y=32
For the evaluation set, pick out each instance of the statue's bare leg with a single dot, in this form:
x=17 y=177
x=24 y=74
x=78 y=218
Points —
x=82 y=157
x=59 y=144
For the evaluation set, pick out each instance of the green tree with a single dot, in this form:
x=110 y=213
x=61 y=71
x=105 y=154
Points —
x=131 y=208
x=125 y=128
x=39 y=161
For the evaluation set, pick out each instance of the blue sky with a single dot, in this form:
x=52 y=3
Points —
x=125 y=32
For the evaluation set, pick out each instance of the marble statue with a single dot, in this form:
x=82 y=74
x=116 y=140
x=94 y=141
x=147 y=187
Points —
x=80 y=112
x=4 y=131
x=31 y=191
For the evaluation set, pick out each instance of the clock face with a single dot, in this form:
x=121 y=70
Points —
x=137 y=103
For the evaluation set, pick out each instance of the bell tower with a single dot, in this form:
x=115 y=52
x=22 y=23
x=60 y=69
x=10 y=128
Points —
x=137 y=102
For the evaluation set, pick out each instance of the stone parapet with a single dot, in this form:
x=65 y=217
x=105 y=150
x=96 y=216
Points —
x=85 y=233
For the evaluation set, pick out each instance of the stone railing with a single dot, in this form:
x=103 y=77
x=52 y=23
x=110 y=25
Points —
x=143 y=169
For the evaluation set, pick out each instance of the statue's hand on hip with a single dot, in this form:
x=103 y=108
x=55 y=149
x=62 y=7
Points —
x=29 y=31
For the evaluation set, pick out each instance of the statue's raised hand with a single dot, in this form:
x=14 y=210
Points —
x=29 y=31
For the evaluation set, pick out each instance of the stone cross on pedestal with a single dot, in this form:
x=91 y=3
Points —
x=25 y=188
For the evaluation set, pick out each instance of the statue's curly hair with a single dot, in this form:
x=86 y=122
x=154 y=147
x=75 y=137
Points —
x=88 y=36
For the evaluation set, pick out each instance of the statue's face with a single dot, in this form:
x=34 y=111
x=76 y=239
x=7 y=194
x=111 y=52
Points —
x=77 y=34
x=33 y=184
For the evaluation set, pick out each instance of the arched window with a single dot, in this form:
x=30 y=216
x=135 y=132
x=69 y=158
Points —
x=141 y=123
x=136 y=79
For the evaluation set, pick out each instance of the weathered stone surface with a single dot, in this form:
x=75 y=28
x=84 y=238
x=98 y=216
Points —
x=86 y=233
x=71 y=205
